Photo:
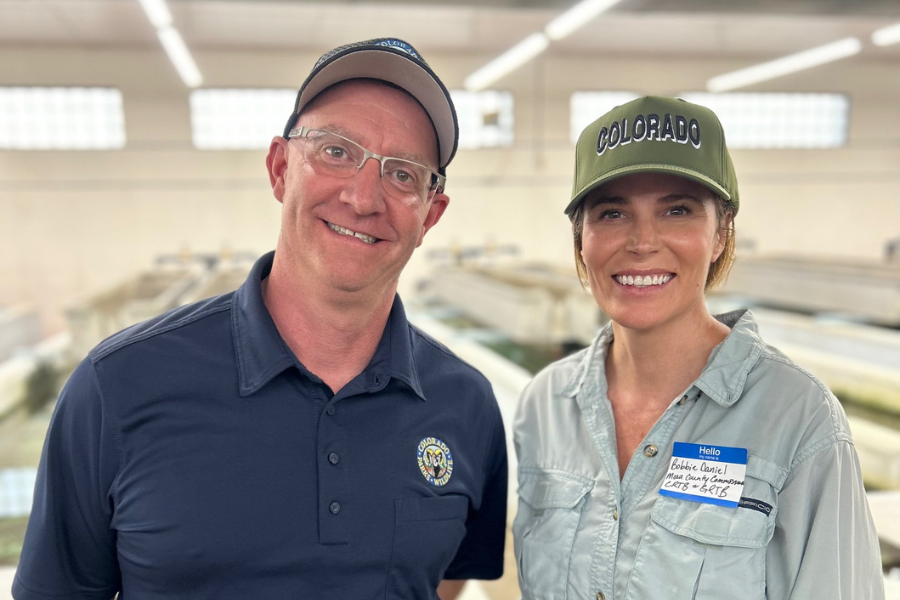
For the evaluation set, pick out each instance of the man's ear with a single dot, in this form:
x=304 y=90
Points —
x=435 y=210
x=276 y=163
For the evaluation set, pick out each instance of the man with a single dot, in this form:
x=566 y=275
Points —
x=276 y=442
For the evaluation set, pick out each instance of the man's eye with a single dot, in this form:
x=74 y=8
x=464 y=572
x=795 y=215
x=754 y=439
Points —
x=679 y=211
x=335 y=152
x=609 y=215
x=404 y=176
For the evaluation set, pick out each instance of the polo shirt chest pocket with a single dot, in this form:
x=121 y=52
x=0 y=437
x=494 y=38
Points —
x=427 y=534
x=550 y=508
x=698 y=551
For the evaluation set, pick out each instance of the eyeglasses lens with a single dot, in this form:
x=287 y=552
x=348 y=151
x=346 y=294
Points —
x=334 y=155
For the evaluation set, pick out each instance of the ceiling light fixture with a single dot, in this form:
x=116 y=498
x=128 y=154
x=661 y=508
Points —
x=521 y=53
x=575 y=17
x=161 y=18
x=507 y=62
x=887 y=35
x=786 y=65
x=157 y=12
x=180 y=56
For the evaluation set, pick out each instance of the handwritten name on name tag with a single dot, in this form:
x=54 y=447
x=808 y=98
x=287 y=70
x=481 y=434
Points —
x=705 y=473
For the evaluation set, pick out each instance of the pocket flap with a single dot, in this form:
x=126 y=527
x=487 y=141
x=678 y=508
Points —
x=552 y=489
x=711 y=524
x=436 y=508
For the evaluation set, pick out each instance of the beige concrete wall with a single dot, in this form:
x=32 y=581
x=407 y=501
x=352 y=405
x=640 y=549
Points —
x=74 y=222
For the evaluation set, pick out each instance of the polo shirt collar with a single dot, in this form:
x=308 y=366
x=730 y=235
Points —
x=262 y=353
x=394 y=356
x=722 y=379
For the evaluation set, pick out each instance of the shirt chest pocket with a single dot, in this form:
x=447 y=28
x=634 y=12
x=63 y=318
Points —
x=699 y=551
x=427 y=534
x=550 y=507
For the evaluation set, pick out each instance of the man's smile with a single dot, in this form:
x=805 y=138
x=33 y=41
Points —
x=360 y=236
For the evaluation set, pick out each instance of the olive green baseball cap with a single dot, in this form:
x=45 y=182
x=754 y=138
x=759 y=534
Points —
x=654 y=134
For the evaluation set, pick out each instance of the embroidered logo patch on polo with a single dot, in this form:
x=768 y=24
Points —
x=435 y=461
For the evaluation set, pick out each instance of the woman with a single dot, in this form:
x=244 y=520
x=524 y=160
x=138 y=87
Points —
x=678 y=456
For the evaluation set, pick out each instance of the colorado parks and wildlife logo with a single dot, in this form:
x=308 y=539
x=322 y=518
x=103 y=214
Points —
x=435 y=461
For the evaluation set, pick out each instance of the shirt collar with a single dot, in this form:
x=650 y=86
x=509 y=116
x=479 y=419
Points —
x=394 y=355
x=722 y=379
x=725 y=374
x=262 y=353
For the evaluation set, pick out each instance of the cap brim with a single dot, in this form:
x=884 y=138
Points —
x=646 y=168
x=398 y=68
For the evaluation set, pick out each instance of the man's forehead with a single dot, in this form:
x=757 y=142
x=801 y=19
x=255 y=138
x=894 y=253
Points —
x=322 y=112
x=361 y=90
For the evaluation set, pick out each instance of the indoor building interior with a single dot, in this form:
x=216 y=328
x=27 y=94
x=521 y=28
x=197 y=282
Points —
x=133 y=137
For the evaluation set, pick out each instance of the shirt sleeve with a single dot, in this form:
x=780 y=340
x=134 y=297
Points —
x=480 y=555
x=824 y=545
x=70 y=549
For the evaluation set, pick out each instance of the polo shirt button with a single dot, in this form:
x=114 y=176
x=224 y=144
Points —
x=334 y=458
x=650 y=450
x=330 y=410
x=615 y=514
x=683 y=399
x=600 y=596
x=334 y=507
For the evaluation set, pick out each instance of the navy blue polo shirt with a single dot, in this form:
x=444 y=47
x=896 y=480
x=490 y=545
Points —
x=193 y=456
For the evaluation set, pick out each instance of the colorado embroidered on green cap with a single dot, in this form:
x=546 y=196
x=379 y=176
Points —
x=654 y=134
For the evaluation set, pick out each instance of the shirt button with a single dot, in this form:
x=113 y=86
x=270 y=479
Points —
x=334 y=507
x=600 y=596
x=683 y=400
x=615 y=514
x=330 y=410
x=334 y=458
x=650 y=450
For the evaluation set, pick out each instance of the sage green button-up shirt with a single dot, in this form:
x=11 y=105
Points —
x=580 y=532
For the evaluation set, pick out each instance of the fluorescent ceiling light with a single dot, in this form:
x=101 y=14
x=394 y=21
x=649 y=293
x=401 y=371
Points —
x=180 y=56
x=575 y=17
x=783 y=66
x=159 y=15
x=157 y=12
x=887 y=36
x=507 y=62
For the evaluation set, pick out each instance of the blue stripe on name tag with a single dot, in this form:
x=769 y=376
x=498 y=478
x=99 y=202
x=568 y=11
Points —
x=701 y=499
x=736 y=456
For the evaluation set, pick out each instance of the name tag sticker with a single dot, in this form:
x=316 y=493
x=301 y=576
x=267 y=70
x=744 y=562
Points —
x=705 y=473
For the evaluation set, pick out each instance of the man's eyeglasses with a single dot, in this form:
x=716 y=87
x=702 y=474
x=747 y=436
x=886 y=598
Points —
x=335 y=155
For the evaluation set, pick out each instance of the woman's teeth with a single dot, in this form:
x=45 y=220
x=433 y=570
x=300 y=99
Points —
x=344 y=231
x=643 y=281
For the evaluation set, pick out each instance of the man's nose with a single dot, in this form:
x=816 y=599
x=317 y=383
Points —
x=364 y=190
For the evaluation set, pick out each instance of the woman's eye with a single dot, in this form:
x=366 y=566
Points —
x=679 y=211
